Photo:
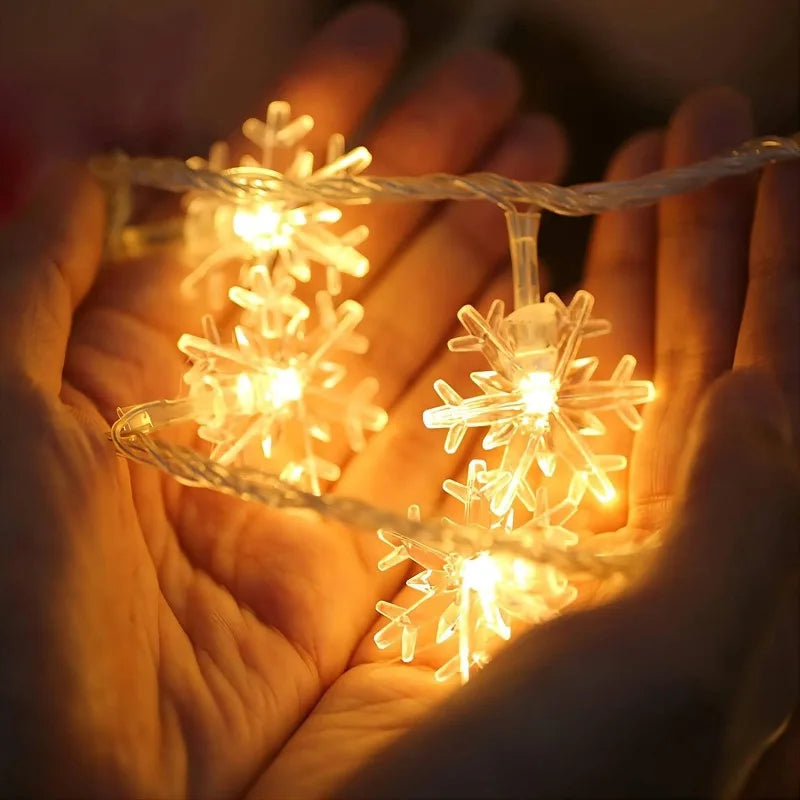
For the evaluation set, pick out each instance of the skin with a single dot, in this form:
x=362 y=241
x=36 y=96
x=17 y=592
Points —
x=165 y=641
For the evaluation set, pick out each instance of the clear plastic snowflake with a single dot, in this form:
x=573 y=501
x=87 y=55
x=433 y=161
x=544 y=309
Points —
x=270 y=396
x=475 y=591
x=275 y=233
x=539 y=401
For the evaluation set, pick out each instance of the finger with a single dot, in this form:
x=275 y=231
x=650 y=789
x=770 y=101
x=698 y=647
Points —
x=620 y=273
x=442 y=127
x=409 y=314
x=406 y=446
x=620 y=269
x=51 y=255
x=702 y=245
x=702 y=264
x=335 y=80
x=446 y=265
x=770 y=332
x=337 y=77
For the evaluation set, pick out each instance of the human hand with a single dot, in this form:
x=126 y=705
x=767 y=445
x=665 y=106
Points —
x=676 y=687
x=166 y=641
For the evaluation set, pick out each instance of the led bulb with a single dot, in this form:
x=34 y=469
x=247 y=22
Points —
x=285 y=387
x=260 y=226
x=539 y=393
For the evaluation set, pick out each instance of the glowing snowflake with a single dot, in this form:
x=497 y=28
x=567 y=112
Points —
x=539 y=402
x=275 y=233
x=475 y=591
x=264 y=400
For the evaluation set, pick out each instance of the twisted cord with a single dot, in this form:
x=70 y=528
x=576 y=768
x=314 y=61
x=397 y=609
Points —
x=589 y=198
x=189 y=467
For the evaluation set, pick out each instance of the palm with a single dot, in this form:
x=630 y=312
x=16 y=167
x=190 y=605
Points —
x=233 y=620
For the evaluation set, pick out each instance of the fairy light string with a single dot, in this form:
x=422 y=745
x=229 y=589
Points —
x=174 y=175
x=264 y=398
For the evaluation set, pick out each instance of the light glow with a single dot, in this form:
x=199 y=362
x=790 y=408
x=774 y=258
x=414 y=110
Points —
x=261 y=227
x=539 y=392
x=285 y=387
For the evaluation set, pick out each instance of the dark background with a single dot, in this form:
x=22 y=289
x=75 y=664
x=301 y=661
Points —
x=167 y=77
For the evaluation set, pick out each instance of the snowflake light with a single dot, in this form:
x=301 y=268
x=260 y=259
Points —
x=539 y=402
x=277 y=386
x=275 y=233
x=265 y=399
x=474 y=591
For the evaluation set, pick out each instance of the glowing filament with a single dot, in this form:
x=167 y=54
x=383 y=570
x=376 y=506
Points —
x=262 y=226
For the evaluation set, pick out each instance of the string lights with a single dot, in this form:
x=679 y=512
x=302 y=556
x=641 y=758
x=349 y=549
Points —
x=267 y=397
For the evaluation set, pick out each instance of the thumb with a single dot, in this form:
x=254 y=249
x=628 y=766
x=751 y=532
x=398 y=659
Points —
x=49 y=256
x=729 y=570
x=734 y=545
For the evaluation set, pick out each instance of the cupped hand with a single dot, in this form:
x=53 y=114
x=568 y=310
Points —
x=680 y=685
x=164 y=641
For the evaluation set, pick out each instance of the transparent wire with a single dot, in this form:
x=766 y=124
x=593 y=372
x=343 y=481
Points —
x=591 y=198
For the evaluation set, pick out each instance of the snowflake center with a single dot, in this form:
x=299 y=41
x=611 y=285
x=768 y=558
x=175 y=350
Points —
x=260 y=393
x=481 y=574
x=539 y=392
x=265 y=227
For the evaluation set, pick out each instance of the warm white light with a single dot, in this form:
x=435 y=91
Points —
x=245 y=393
x=471 y=597
x=260 y=226
x=481 y=574
x=286 y=386
x=278 y=384
x=539 y=391
x=265 y=399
